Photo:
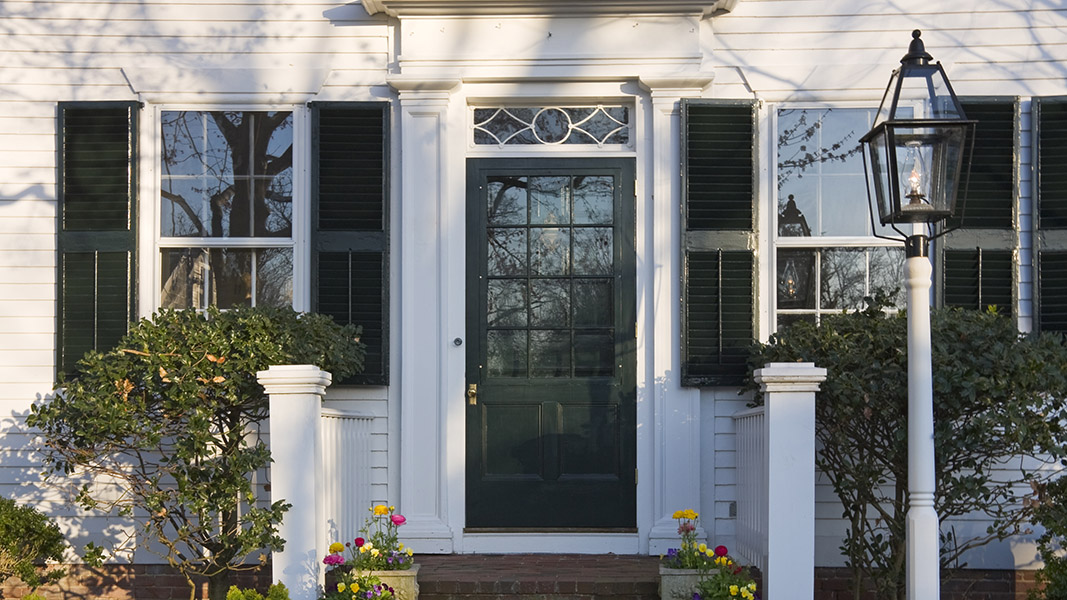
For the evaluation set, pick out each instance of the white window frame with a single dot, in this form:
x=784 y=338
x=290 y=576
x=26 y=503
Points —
x=152 y=242
x=813 y=242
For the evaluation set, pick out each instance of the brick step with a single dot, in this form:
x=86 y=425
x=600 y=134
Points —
x=538 y=577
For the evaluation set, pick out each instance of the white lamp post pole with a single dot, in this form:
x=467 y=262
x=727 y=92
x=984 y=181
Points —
x=923 y=559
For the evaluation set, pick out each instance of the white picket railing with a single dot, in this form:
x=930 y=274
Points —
x=346 y=471
x=752 y=465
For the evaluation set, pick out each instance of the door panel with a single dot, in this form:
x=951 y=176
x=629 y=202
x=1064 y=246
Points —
x=550 y=319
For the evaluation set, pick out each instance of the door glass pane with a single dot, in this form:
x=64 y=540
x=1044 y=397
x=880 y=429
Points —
x=593 y=200
x=592 y=251
x=550 y=249
x=550 y=302
x=594 y=354
x=593 y=303
x=506 y=200
x=507 y=303
x=506 y=353
x=506 y=252
x=550 y=200
x=550 y=353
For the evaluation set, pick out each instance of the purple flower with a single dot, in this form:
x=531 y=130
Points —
x=696 y=596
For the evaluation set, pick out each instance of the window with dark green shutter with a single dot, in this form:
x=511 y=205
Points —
x=96 y=238
x=350 y=242
x=977 y=261
x=718 y=183
x=1050 y=184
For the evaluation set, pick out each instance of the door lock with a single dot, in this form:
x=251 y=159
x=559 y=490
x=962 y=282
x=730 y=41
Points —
x=472 y=394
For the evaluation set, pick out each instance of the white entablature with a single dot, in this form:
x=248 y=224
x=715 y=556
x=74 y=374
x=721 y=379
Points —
x=403 y=8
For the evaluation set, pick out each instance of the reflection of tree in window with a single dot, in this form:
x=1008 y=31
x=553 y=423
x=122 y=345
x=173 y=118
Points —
x=226 y=174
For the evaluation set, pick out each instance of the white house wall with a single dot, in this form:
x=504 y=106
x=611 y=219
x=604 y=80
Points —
x=253 y=52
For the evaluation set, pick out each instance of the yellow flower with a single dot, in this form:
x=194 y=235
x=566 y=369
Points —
x=336 y=547
x=340 y=587
x=368 y=546
x=374 y=552
x=677 y=514
x=354 y=588
x=747 y=595
x=410 y=551
x=752 y=585
x=702 y=547
x=363 y=549
x=392 y=508
x=400 y=547
x=709 y=553
x=733 y=590
x=690 y=514
x=381 y=509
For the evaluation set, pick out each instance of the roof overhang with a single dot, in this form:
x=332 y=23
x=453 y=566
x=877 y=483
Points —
x=547 y=8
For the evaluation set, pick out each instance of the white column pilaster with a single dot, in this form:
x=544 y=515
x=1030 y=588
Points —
x=296 y=393
x=675 y=464
x=425 y=251
x=789 y=401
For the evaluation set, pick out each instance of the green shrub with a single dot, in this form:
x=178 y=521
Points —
x=1051 y=512
x=27 y=540
x=277 y=591
x=997 y=394
x=167 y=416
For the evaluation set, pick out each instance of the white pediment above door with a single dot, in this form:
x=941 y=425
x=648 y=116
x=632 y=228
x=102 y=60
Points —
x=547 y=8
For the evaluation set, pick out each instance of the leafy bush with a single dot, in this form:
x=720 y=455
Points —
x=169 y=417
x=997 y=394
x=27 y=540
x=1050 y=510
x=277 y=591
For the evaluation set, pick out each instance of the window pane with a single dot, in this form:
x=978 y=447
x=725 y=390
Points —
x=223 y=277
x=274 y=277
x=506 y=353
x=550 y=302
x=593 y=251
x=226 y=174
x=887 y=274
x=594 y=200
x=843 y=274
x=550 y=354
x=506 y=252
x=550 y=200
x=796 y=279
x=550 y=251
x=506 y=200
x=506 y=303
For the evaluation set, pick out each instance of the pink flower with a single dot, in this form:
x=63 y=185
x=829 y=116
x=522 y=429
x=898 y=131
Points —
x=721 y=551
x=333 y=559
x=397 y=520
x=685 y=528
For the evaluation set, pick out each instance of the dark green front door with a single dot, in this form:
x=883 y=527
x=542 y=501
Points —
x=551 y=344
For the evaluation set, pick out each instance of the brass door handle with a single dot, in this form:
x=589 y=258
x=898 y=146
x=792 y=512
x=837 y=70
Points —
x=472 y=394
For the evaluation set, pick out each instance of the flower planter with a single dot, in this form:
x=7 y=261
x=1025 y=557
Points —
x=677 y=584
x=404 y=583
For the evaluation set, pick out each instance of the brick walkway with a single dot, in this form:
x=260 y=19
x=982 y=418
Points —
x=538 y=576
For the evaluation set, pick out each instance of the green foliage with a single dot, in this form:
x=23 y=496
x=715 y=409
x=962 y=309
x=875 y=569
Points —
x=170 y=417
x=27 y=540
x=1050 y=510
x=997 y=394
x=276 y=591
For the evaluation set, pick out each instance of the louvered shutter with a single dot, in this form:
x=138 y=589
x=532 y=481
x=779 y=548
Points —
x=718 y=183
x=96 y=228
x=1050 y=183
x=978 y=259
x=350 y=242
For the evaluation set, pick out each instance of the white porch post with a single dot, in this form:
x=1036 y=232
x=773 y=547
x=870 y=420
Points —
x=789 y=400
x=296 y=393
x=427 y=240
x=675 y=442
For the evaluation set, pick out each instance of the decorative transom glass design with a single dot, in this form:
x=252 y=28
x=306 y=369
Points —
x=552 y=125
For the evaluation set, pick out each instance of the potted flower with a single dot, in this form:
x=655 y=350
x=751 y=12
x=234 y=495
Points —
x=726 y=580
x=376 y=558
x=681 y=568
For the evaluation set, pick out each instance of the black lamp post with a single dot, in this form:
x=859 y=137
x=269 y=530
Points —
x=917 y=158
